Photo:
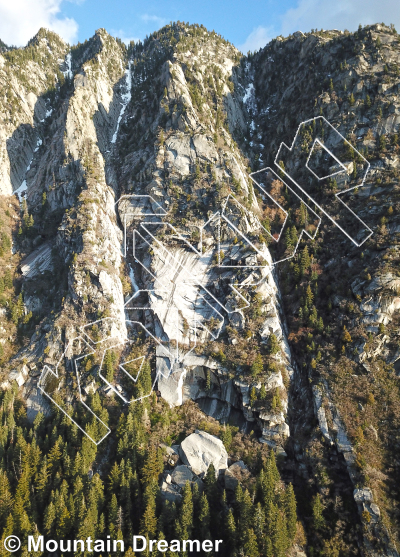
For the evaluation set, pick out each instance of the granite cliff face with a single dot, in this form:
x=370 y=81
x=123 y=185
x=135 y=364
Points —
x=126 y=173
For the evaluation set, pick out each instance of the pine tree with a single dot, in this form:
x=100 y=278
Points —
x=280 y=541
x=257 y=366
x=259 y=525
x=288 y=240
x=266 y=486
x=245 y=514
x=305 y=260
x=54 y=457
x=63 y=519
x=186 y=513
x=226 y=437
x=126 y=505
x=113 y=513
x=152 y=467
x=294 y=236
x=204 y=517
x=6 y=499
x=290 y=510
x=108 y=366
x=303 y=214
x=114 y=477
x=210 y=482
x=266 y=224
x=269 y=550
x=196 y=497
x=49 y=518
x=230 y=529
x=317 y=512
x=144 y=380
x=71 y=508
x=309 y=296
x=253 y=396
x=271 y=465
x=208 y=380
x=149 y=521
x=251 y=547
x=346 y=337
x=273 y=344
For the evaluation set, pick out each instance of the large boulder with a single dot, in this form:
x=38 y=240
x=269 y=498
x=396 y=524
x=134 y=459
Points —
x=170 y=492
x=363 y=495
x=183 y=474
x=20 y=376
x=236 y=474
x=201 y=449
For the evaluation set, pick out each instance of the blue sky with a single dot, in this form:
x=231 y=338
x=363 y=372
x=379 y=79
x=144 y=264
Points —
x=234 y=20
x=249 y=24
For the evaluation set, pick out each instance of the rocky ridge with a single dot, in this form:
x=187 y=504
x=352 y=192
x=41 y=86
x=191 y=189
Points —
x=188 y=139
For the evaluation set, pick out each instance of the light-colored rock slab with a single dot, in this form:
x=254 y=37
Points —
x=201 y=449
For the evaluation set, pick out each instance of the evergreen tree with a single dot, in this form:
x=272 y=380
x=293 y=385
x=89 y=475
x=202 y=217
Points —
x=108 y=366
x=257 y=366
x=230 y=529
x=273 y=344
x=305 y=260
x=280 y=538
x=250 y=546
x=226 y=437
x=186 y=514
x=309 y=296
x=49 y=518
x=288 y=240
x=144 y=381
x=245 y=514
x=269 y=550
x=317 y=512
x=346 y=337
x=6 y=499
x=253 y=396
x=210 y=481
x=167 y=519
x=149 y=521
x=291 y=512
x=204 y=517
x=152 y=467
x=272 y=467
x=113 y=514
x=259 y=525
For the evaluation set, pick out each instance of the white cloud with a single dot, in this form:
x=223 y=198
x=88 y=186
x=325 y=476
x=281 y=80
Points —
x=159 y=21
x=258 y=38
x=339 y=14
x=20 y=20
x=120 y=33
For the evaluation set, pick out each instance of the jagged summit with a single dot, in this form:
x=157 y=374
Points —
x=46 y=34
